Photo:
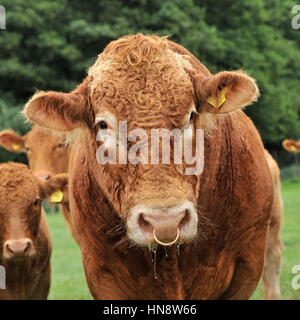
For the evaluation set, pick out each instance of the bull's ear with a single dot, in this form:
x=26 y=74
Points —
x=225 y=91
x=59 y=111
x=12 y=141
x=291 y=145
x=55 y=190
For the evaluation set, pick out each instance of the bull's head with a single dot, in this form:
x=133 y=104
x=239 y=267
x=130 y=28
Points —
x=150 y=83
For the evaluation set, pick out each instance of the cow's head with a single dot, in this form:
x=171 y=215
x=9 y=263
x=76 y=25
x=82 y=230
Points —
x=21 y=195
x=291 y=145
x=46 y=150
x=147 y=82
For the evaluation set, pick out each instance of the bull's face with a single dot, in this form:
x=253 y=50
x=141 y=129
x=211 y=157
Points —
x=142 y=82
x=21 y=195
x=46 y=151
x=158 y=201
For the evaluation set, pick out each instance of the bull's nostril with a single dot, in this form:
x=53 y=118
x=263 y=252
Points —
x=27 y=247
x=9 y=249
x=185 y=220
x=144 y=225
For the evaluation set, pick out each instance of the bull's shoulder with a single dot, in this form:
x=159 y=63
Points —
x=236 y=176
x=239 y=130
x=275 y=171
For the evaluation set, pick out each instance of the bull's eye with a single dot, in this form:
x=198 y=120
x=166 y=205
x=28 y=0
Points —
x=60 y=145
x=36 y=202
x=103 y=125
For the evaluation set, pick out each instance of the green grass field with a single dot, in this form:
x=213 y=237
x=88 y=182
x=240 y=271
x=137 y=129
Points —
x=290 y=235
x=68 y=281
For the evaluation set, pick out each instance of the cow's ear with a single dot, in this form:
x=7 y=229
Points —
x=225 y=91
x=291 y=145
x=12 y=141
x=55 y=190
x=59 y=111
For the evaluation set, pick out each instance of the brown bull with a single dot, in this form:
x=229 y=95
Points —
x=47 y=155
x=25 y=244
x=218 y=220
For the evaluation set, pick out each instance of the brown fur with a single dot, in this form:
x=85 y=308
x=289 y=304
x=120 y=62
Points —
x=271 y=273
x=47 y=155
x=22 y=217
x=19 y=218
x=152 y=83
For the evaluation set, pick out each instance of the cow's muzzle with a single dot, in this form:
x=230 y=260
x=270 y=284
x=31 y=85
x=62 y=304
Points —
x=43 y=175
x=163 y=226
x=18 y=249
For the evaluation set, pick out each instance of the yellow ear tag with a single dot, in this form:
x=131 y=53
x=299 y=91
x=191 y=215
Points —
x=15 y=146
x=57 y=196
x=213 y=101
x=293 y=148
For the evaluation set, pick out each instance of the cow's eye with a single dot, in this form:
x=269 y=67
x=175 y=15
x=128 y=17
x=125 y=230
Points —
x=36 y=202
x=27 y=149
x=60 y=145
x=103 y=125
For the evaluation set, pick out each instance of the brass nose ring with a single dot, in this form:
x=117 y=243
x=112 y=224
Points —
x=166 y=244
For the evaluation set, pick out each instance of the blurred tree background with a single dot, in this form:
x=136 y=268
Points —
x=49 y=45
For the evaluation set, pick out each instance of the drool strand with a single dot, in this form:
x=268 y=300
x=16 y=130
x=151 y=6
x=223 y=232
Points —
x=166 y=252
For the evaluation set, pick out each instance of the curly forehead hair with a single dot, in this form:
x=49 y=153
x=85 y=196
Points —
x=16 y=183
x=137 y=48
x=142 y=72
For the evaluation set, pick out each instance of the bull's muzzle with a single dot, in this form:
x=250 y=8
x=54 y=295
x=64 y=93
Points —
x=163 y=226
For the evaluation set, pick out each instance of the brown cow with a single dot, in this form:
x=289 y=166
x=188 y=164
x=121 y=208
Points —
x=291 y=145
x=271 y=273
x=47 y=155
x=24 y=234
x=218 y=219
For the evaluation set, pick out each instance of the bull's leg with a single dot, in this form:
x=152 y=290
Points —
x=248 y=268
x=271 y=273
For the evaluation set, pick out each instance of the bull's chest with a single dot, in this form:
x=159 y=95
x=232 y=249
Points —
x=166 y=276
